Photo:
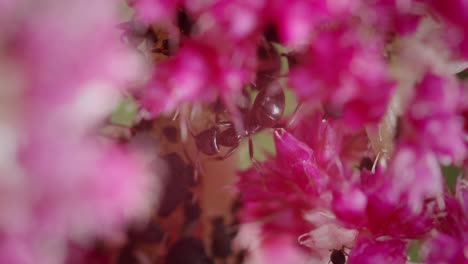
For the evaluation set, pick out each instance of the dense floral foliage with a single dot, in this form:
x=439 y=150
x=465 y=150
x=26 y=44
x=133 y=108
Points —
x=357 y=166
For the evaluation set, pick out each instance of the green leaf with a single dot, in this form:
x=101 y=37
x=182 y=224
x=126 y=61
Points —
x=451 y=173
x=125 y=113
x=413 y=251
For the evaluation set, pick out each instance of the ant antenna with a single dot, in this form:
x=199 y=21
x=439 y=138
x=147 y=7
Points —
x=374 y=166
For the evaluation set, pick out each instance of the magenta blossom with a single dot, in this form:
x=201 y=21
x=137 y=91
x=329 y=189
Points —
x=451 y=232
x=353 y=86
x=434 y=110
x=456 y=15
x=283 y=189
x=385 y=251
x=62 y=181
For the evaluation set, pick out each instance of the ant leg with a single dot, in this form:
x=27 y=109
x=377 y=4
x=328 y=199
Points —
x=199 y=168
x=186 y=155
x=183 y=131
x=274 y=77
x=176 y=114
x=228 y=154
x=344 y=252
x=197 y=165
x=184 y=124
x=251 y=154
x=294 y=115
x=374 y=166
x=182 y=113
x=225 y=123
x=189 y=128
x=292 y=120
x=282 y=125
x=236 y=116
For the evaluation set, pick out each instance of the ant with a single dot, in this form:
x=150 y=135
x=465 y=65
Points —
x=338 y=256
x=266 y=112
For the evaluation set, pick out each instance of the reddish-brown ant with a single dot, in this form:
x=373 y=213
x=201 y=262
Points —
x=338 y=256
x=266 y=112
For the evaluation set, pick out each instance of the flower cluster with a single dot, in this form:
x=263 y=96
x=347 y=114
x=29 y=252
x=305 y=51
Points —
x=383 y=113
x=357 y=167
x=61 y=182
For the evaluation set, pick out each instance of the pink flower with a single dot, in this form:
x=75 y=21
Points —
x=413 y=175
x=435 y=110
x=330 y=141
x=197 y=73
x=392 y=15
x=234 y=20
x=456 y=13
x=449 y=242
x=385 y=251
x=354 y=85
x=300 y=163
x=350 y=205
x=63 y=181
x=297 y=21
x=282 y=249
x=276 y=200
x=447 y=249
x=320 y=134
x=283 y=189
x=188 y=76
x=149 y=11
x=369 y=207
